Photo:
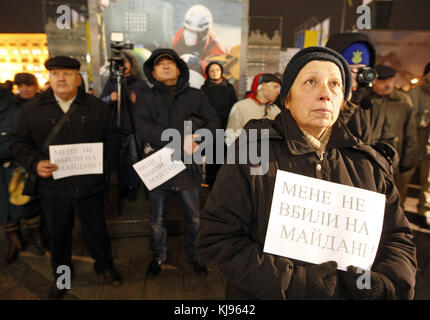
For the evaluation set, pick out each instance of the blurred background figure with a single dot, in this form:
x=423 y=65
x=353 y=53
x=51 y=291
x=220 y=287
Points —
x=28 y=87
x=401 y=117
x=421 y=99
x=15 y=207
x=132 y=86
x=222 y=97
x=8 y=85
x=259 y=104
x=366 y=122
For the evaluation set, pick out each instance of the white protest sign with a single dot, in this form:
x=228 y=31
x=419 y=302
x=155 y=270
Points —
x=158 y=168
x=76 y=159
x=317 y=221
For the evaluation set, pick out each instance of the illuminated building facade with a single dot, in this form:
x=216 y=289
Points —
x=23 y=52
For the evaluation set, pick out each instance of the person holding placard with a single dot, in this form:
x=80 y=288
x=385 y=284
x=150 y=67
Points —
x=170 y=103
x=310 y=141
x=60 y=118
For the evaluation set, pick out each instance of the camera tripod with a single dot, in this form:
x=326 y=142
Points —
x=117 y=73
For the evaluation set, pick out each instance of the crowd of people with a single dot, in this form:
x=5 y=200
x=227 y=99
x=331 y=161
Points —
x=324 y=122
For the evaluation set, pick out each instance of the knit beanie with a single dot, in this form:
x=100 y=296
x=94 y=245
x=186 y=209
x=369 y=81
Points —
x=303 y=57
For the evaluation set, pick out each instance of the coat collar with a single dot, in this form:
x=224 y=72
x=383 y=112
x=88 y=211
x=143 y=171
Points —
x=47 y=97
x=285 y=125
x=209 y=84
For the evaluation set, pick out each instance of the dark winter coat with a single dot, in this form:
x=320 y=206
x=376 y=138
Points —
x=8 y=117
x=372 y=127
x=130 y=84
x=90 y=122
x=222 y=97
x=234 y=221
x=402 y=119
x=157 y=111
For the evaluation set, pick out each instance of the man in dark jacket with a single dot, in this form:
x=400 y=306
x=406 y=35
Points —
x=364 y=120
x=130 y=149
x=85 y=119
x=171 y=102
x=402 y=119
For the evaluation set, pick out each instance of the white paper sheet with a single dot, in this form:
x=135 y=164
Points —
x=76 y=159
x=158 y=168
x=317 y=221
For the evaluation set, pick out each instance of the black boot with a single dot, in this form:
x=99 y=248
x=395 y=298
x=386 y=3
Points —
x=14 y=247
x=34 y=227
x=37 y=240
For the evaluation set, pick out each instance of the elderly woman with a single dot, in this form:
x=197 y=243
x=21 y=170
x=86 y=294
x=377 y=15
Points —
x=308 y=140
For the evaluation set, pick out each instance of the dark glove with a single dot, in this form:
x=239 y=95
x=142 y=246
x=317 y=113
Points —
x=314 y=281
x=380 y=286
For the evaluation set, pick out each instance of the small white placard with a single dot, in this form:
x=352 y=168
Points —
x=76 y=159
x=158 y=168
x=317 y=221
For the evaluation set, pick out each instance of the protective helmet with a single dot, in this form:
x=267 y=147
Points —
x=198 y=18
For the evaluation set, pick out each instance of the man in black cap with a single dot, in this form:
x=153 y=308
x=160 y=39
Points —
x=365 y=122
x=259 y=104
x=28 y=86
x=401 y=117
x=421 y=99
x=64 y=115
x=168 y=105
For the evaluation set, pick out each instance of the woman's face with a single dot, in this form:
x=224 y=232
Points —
x=316 y=96
x=214 y=72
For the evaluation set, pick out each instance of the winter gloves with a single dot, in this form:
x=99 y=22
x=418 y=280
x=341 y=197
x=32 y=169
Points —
x=380 y=286
x=313 y=281
x=323 y=281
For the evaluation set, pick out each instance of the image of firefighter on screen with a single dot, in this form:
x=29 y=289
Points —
x=195 y=40
x=208 y=32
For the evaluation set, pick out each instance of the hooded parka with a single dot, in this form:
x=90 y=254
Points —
x=157 y=110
